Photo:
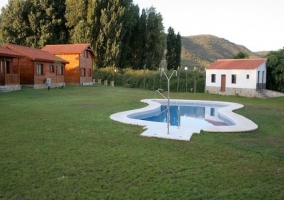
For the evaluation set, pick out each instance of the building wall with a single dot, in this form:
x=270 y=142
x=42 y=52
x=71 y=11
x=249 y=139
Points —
x=261 y=74
x=86 y=63
x=13 y=76
x=247 y=81
x=271 y=93
x=26 y=71
x=73 y=70
x=250 y=79
x=246 y=92
x=241 y=78
x=9 y=88
x=29 y=77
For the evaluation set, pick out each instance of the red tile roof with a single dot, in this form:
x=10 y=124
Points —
x=237 y=64
x=35 y=54
x=8 y=53
x=67 y=48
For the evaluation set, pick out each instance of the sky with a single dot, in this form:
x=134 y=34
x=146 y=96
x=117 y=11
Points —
x=256 y=24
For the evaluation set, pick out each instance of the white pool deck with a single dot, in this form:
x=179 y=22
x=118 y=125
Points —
x=159 y=130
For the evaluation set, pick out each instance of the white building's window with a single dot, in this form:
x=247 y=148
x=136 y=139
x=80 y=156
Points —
x=213 y=78
x=247 y=76
x=234 y=78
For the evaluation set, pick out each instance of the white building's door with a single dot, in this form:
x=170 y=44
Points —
x=223 y=83
x=258 y=77
x=262 y=82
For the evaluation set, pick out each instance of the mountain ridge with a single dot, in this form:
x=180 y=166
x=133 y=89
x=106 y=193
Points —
x=202 y=50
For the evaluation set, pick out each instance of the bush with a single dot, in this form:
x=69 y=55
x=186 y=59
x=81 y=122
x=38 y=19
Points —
x=152 y=80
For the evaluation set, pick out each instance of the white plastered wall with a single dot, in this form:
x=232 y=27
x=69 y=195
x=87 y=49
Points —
x=241 y=78
x=262 y=72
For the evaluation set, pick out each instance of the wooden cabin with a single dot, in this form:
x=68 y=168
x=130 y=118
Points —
x=79 y=71
x=9 y=70
x=39 y=69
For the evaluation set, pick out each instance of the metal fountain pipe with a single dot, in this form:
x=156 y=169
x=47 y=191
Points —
x=168 y=106
x=178 y=116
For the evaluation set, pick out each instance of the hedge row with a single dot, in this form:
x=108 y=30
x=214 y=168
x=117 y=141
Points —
x=152 y=80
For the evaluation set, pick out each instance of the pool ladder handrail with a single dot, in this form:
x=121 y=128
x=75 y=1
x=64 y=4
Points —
x=162 y=112
x=162 y=96
x=178 y=117
x=167 y=108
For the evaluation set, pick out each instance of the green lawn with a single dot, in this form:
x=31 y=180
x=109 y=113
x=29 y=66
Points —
x=63 y=145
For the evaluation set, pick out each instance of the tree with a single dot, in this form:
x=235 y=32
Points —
x=57 y=32
x=114 y=29
x=14 y=26
x=275 y=70
x=131 y=19
x=241 y=55
x=155 y=39
x=135 y=43
x=142 y=35
x=81 y=33
x=33 y=22
x=178 y=50
x=173 y=49
x=112 y=33
x=76 y=21
x=170 y=55
x=46 y=22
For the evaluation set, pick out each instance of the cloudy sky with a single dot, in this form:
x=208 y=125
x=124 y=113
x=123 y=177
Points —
x=256 y=24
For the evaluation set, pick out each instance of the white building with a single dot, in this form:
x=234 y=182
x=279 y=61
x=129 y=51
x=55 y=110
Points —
x=244 y=77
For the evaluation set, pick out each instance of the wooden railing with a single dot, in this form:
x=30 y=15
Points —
x=12 y=79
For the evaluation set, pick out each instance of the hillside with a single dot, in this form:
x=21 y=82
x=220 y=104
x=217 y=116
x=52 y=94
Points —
x=262 y=53
x=202 y=50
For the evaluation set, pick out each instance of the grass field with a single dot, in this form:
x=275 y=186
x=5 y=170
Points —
x=63 y=145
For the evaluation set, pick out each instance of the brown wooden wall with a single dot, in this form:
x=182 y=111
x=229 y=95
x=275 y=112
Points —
x=28 y=73
x=13 y=77
x=87 y=64
x=72 y=72
x=73 y=69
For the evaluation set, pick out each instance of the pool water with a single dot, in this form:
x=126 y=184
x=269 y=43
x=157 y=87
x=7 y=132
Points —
x=187 y=115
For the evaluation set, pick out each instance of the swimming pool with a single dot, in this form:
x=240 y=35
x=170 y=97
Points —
x=185 y=114
x=187 y=117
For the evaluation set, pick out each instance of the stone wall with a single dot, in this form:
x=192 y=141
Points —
x=271 y=93
x=87 y=83
x=9 y=88
x=232 y=91
x=44 y=86
x=244 y=92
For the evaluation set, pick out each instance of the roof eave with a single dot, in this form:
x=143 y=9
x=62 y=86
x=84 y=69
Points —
x=10 y=55
x=49 y=61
